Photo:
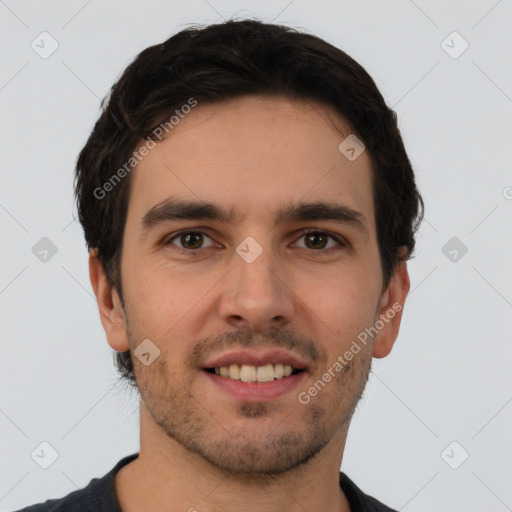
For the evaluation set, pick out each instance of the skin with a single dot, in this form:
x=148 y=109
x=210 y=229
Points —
x=200 y=448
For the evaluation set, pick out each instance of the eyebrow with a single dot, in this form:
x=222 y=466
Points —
x=175 y=209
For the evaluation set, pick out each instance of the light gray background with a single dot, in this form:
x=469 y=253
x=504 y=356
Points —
x=448 y=377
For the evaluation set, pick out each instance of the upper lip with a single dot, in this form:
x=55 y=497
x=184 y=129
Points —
x=260 y=358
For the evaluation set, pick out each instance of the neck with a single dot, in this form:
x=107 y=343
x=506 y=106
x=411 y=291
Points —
x=166 y=478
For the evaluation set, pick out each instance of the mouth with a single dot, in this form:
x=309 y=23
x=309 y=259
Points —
x=252 y=373
x=256 y=376
x=249 y=383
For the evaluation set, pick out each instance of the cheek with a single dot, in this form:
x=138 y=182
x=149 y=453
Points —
x=163 y=294
x=149 y=295
x=338 y=309
x=343 y=315
x=347 y=289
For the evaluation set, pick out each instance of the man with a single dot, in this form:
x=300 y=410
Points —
x=249 y=208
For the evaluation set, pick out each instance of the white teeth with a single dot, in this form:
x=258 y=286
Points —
x=234 y=371
x=249 y=373
x=265 y=373
x=278 y=370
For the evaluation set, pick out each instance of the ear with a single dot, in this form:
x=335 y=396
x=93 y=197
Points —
x=111 y=311
x=390 y=310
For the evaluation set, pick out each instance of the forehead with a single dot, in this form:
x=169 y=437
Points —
x=254 y=155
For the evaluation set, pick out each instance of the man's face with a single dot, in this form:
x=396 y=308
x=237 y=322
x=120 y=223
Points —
x=197 y=298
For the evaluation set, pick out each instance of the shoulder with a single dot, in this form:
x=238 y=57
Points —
x=359 y=501
x=75 y=501
x=98 y=496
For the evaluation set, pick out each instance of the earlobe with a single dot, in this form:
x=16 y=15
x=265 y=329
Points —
x=110 y=308
x=390 y=311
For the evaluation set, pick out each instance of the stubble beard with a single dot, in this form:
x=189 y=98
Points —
x=252 y=452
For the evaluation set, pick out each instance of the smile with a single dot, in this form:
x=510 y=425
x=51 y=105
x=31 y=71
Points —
x=251 y=373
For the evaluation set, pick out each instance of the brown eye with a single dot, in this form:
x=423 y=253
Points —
x=189 y=240
x=194 y=239
x=318 y=240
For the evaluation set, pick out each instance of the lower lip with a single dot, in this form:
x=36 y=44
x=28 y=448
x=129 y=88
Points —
x=256 y=391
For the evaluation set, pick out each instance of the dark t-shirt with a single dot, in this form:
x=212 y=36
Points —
x=100 y=496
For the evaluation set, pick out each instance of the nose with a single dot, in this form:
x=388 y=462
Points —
x=256 y=294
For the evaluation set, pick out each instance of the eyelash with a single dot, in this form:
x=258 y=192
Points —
x=336 y=238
